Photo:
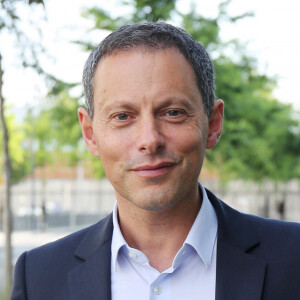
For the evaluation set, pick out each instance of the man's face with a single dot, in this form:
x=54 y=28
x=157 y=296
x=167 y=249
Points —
x=149 y=128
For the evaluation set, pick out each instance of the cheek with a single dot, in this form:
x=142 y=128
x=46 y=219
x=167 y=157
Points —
x=186 y=141
x=113 y=150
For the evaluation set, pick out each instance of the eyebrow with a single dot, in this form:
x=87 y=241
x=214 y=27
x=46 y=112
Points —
x=184 y=101
x=169 y=101
x=119 y=104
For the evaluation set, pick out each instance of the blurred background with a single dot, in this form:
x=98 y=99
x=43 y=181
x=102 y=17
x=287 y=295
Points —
x=50 y=185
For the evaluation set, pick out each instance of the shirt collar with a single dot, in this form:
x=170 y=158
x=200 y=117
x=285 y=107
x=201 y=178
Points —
x=118 y=240
x=202 y=235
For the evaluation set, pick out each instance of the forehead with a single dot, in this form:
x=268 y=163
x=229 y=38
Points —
x=143 y=60
x=144 y=74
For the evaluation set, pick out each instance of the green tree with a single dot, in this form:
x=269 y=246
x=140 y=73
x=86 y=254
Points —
x=57 y=134
x=10 y=24
x=142 y=11
x=257 y=130
x=19 y=162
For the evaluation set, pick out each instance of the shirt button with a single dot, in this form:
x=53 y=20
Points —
x=132 y=254
x=157 y=290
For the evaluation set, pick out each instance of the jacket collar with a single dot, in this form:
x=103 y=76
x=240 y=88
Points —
x=90 y=279
x=239 y=275
x=97 y=236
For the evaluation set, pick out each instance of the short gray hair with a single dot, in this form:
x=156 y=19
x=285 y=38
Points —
x=153 y=36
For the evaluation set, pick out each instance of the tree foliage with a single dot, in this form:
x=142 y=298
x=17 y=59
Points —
x=10 y=24
x=56 y=133
x=17 y=136
x=28 y=52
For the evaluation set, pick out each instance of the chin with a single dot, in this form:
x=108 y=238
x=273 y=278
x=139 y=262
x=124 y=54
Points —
x=155 y=203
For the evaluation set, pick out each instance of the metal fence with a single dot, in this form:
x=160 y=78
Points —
x=60 y=203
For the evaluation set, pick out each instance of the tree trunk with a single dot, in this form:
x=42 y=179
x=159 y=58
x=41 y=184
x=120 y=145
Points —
x=7 y=224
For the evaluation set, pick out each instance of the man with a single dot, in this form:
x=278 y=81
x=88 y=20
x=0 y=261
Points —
x=151 y=113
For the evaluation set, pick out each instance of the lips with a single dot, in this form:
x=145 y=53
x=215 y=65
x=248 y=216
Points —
x=153 y=170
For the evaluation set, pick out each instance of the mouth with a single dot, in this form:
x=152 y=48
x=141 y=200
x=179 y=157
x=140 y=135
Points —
x=154 y=170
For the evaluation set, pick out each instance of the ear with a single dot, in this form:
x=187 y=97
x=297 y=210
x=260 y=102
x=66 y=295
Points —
x=215 y=124
x=87 y=131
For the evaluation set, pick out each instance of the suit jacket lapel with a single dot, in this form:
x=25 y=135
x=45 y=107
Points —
x=91 y=278
x=240 y=275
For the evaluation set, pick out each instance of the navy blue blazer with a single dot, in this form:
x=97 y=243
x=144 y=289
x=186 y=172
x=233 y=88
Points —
x=256 y=259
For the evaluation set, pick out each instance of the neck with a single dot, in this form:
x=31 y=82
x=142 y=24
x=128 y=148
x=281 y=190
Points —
x=158 y=234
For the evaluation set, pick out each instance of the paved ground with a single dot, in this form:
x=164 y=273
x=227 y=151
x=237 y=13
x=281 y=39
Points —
x=26 y=240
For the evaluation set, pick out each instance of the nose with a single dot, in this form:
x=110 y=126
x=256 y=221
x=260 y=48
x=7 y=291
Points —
x=150 y=139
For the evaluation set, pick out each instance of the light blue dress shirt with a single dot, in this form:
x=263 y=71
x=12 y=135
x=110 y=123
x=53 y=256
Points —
x=191 y=276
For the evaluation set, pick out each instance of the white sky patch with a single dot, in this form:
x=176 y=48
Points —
x=272 y=37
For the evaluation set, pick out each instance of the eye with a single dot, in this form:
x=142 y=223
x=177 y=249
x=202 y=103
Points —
x=121 y=117
x=173 y=113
